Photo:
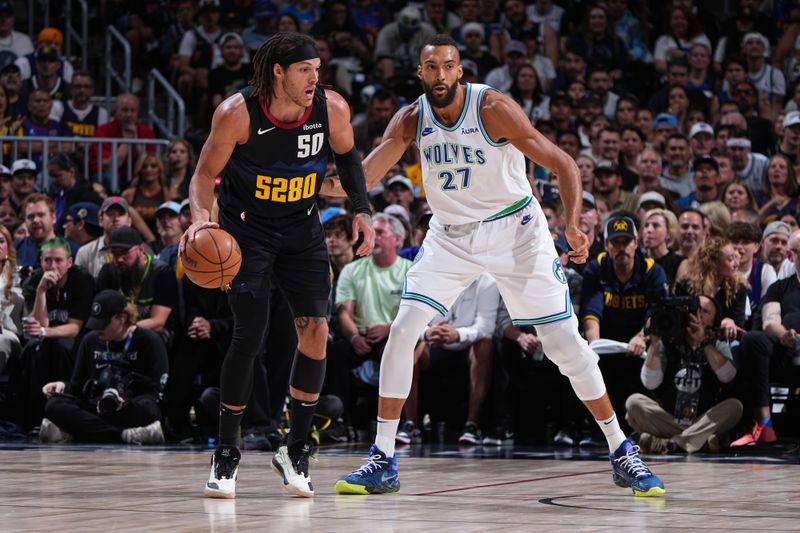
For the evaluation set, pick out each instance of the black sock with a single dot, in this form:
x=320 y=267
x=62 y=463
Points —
x=229 y=421
x=302 y=414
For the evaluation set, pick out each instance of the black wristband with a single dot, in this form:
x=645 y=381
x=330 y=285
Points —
x=351 y=176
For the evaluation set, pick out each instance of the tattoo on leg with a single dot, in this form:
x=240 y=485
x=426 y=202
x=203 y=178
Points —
x=302 y=322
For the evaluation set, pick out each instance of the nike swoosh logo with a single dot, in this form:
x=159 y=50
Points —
x=310 y=209
x=262 y=132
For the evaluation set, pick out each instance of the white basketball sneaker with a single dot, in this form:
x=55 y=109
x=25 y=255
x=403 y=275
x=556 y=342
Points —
x=291 y=464
x=149 y=434
x=224 y=467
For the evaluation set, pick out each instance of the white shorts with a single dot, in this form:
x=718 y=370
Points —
x=516 y=250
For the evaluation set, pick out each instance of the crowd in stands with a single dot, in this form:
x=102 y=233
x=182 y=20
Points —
x=684 y=123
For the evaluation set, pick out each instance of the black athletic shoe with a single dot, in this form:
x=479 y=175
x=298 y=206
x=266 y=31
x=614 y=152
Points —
x=224 y=468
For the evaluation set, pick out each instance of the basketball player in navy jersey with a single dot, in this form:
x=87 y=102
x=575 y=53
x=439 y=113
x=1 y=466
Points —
x=270 y=143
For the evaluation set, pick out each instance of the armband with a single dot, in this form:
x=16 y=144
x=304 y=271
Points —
x=351 y=176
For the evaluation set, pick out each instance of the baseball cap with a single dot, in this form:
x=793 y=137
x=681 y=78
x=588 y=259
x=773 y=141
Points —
x=230 y=35
x=665 y=119
x=264 y=9
x=652 y=197
x=172 y=207
x=21 y=165
x=106 y=304
x=86 y=212
x=7 y=6
x=701 y=127
x=472 y=27
x=185 y=204
x=398 y=211
x=469 y=65
x=46 y=53
x=124 y=237
x=777 y=226
x=791 y=119
x=402 y=180
x=606 y=165
x=5 y=171
x=50 y=34
x=706 y=160
x=10 y=68
x=330 y=212
x=588 y=198
x=620 y=226
x=410 y=17
x=114 y=200
x=560 y=241
x=516 y=47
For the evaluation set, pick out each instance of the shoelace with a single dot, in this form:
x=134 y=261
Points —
x=372 y=464
x=633 y=464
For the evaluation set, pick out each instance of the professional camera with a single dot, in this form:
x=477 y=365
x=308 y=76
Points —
x=671 y=317
x=109 y=403
x=108 y=388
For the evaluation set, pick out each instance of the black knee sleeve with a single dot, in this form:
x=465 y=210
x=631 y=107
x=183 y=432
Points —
x=308 y=375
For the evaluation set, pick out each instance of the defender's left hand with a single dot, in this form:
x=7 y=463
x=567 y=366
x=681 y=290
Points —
x=362 y=223
x=579 y=243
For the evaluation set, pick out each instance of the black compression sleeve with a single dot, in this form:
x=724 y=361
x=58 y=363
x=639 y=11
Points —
x=351 y=176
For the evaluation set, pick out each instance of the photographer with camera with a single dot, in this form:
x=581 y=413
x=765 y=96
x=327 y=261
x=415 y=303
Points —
x=114 y=391
x=685 y=370
x=620 y=287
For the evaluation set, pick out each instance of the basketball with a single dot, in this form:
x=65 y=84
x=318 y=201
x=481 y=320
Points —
x=213 y=259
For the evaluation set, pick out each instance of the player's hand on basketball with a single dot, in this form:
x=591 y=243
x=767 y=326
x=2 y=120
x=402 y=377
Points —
x=377 y=332
x=579 y=243
x=190 y=233
x=362 y=224
x=54 y=387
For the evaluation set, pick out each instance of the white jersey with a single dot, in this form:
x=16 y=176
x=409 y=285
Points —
x=467 y=176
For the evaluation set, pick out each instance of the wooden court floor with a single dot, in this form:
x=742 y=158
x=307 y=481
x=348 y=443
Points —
x=53 y=488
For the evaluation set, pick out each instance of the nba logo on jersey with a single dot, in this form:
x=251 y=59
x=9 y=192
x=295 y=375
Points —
x=558 y=271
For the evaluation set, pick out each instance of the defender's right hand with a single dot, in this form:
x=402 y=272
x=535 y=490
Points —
x=190 y=233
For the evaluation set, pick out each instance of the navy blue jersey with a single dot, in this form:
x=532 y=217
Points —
x=279 y=170
x=81 y=127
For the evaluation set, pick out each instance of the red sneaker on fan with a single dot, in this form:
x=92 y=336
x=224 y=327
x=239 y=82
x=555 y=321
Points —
x=759 y=434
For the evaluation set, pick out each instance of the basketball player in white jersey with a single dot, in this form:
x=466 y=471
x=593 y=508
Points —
x=473 y=142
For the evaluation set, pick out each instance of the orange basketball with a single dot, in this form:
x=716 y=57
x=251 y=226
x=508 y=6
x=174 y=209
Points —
x=213 y=259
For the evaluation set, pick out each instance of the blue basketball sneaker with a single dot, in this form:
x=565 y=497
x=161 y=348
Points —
x=628 y=470
x=377 y=476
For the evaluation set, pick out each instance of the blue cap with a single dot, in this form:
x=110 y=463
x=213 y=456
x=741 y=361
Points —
x=562 y=246
x=84 y=211
x=330 y=212
x=172 y=207
x=665 y=119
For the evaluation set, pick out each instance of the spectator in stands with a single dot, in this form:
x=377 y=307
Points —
x=47 y=78
x=382 y=106
x=183 y=15
x=750 y=167
x=186 y=215
x=5 y=183
x=400 y=191
x=67 y=185
x=502 y=77
x=40 y=219
x=11 y=302
x=701 y=140
x=12 y=83
x=659 y=234
x=143 y=280
x=780 y=190
x=608 y=185
x=232 y=74
x=769 y=353
x=367 y=298
x=58 y=299
x=599 y=39
x=180 y=161
x=346 y=38
x=775 y=245
x=197 y=50
x=663 y=126
x=113 y=214
x=683 y=416
x=435 y=13
x=399 y=43
x=706 y=179
x=737 y=195
x=682 y=30
x=265 y=24
x=600 y=84
x=597 y=124
x=746 y=240
x=464 y=333
x=13 y=44
x=789 y=144
x=81 y=224
x=53 y=38
x=701 y=76
x=474 y=36
x=768 y=80
x=23 y=183
x=677 y=74
x=725 y=162
x=527 y=91
x=169 y=232
x=648 y=167
x=136 y=370
x=146 y=191
x=677 y=177
x=80 y=115
x=632 y=142
x=339 y=241
x=124 y=125
x=759 y=129
x=39 y=124
x=10 y=125
x=569 y=141
x=691 y=231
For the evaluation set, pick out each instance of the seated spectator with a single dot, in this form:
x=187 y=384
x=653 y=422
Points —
x=68 y=186
x=648 y=168
x=659 y=234
x=473 y=35
x=143 y=280
x=12 y=83
x=10 y=125
x=264 y=25
x=40 y=218
x=718 y=217
x=23 y=183
x=465 y=333
x=124 y=125
x=736 y=195
x=232 y=74
x=725 y=162
x=527 y=91
x=58 y=299
x=780 y=190
x=632 y=143
x=677 y=176
x=52 y=37
x=196 y=51
x=692 y=231
x=598 y=38
x=13 y=44
x=382 y=106
x=608 y=185
x=179 y=163
x=169 y=232
x=682 y=31
x=775 y=245
x=11 y=302
x=80 y=115
x=39 y=124
x=339 y=241
x=750 y=167
x=146 y=191
x=681 y=416
x=702 y=139
x=114 y=390
x=706 y=178
x=399 y=43
x=746 y=240
x=768 y=353
x=81 y=225
x=769 y=81
x=367 y=298
x=47 y=78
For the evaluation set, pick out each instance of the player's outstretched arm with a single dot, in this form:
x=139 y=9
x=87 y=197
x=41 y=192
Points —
x=504 y=119
x=229 y=126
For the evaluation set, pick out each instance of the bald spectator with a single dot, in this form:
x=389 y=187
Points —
x=124 y=125
x=648 y=167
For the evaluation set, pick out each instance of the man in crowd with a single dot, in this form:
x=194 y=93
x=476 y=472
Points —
x=691 y=231
x=608 y=185
x=702 y=139
x=750 y=167
x=113 y=214
x=706 y=179
x=80 y=115
x=81 y=225
x=648 y=166
x=677 y=177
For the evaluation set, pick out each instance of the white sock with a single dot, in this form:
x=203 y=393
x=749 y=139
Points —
x=387 y=430
x=613 y=433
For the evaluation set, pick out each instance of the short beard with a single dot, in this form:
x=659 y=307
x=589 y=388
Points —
x=129 y=278
x=294 y=100
x=437 y=102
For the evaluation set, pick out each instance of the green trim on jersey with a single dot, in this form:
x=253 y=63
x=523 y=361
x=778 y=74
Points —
x=510 y=210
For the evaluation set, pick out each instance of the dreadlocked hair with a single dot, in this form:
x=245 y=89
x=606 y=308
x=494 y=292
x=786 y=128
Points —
x=268 y=55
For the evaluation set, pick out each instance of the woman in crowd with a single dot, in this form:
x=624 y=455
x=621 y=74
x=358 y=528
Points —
x=586 y=169
x=147 y=190
x=713 y=269
x=180 y=162
x=625 y=114
x=9 y=125
x=11 y=303
x=633 y=142
x=737 y=195
x=679 y=106
x=701 y=77
x=602 y=44
x=681 y=33
x=527 y=92
x=780 y=190
x=644 y=120
x=659 y=233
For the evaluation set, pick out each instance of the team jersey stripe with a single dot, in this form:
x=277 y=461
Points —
x=424 y=299
x=420 y=116
x=510 y=210
x=549 y=318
